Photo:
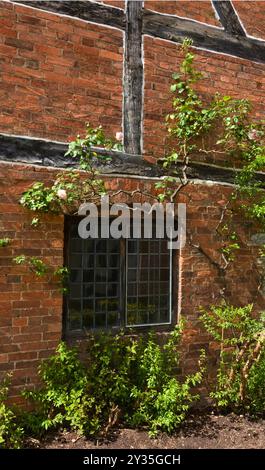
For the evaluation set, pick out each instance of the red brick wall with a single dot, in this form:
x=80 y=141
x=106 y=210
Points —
x=30 y=307
x=57 y=74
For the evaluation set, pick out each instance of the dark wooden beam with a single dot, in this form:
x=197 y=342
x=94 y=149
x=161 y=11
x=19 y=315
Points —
x=206 y=171
x=17 y=149
x=133 y=79
x=52 y=154
x=85 y=10
x=228 y=17
x=207 y=37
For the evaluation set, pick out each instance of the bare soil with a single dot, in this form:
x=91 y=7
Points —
x=208 y=431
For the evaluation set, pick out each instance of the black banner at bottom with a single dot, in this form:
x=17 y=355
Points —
x=127 y=458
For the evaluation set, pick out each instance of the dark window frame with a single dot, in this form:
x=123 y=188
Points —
x=67 y=333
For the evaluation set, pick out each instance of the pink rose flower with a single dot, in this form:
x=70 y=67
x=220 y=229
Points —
x=119 y=136
x=62 y=194
x=253 y=134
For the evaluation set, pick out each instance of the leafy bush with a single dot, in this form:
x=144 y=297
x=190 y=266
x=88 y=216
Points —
x=241 y=373
x=126 y=379
x=10 y=433
x=64 y=398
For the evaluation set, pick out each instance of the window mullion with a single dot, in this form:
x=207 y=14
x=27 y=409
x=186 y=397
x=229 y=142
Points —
x=123 y=282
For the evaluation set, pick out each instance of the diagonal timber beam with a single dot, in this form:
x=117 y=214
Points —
x=228 y=17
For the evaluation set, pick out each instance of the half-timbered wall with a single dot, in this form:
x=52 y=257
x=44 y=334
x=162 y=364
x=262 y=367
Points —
x=63 y=64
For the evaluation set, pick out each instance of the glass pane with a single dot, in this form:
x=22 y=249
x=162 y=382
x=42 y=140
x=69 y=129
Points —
x=88 y=245
x=112 y=305
x=142 y=317
x=76 y=261
x=100 y=320
x=164 y=316
x=112 y=290
x=100 y=290
x=76 y=245
x=132 y=289
x=113 y=319
x=114 y=246
x=133 y=246
x=89 y=261
x=88 y=305
x=100 y=305
x=132 y=275
x=75 y=291
x=113 y=275
x=101 y=275
x=88 y=319
x=101 y=246
x=75 y=318
x=75 y=275
x=88 y=276
x=143 y=274
x=88 y=290
x=164 y=275
x=132 y=317
x=114 y=261
x=74 y=230
x=144 y=246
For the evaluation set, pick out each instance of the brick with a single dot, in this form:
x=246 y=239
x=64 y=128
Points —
x=22 y=321
x=31 y=20
x=19 y=43
x=3 y=358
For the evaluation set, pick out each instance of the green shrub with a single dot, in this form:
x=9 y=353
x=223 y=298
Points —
x=126 y=379
x=10 y=433
x=240 y=381
x=64 y=398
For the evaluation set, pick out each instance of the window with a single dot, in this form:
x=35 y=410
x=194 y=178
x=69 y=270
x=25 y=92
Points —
x=117 y=283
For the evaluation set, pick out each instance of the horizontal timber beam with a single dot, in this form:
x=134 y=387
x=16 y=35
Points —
x=84 y=10
x=229 y=41
x=46 y=153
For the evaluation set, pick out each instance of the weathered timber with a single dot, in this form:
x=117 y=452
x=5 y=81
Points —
x=52 y=154
x=85 y=10
x=133 y=79
x=228 y=17
x=205 y=171
x=175 y=29
x=17 y=149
